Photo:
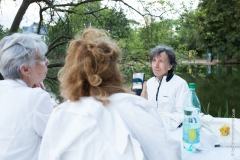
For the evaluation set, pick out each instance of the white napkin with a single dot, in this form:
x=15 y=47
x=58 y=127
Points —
x=208 y=139
x=171 y=121
x=205 y=118
x=236 y=155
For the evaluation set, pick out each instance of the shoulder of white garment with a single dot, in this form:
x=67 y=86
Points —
x=181 y=83
x=120 y=103
x=151 y=80
x=41 y=96
x=124 y=110
x=118 y=99
x=178 y=79
x=19 y=83
x=176 y=82
x=35 y=93
x=93 y=112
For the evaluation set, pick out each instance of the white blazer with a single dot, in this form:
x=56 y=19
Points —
x=24 y=113
x=129 y=128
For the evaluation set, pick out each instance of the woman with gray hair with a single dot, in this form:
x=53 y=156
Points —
x=166 y=90
x=24 y=105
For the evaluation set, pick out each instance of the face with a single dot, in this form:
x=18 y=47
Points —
x=38 y=71
x=161 y=65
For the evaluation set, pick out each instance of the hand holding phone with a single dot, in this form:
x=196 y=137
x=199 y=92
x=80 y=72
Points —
x=137 y=82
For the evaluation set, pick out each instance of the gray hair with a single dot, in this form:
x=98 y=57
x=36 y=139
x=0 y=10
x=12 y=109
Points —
x=18 y=50
x=168 y=50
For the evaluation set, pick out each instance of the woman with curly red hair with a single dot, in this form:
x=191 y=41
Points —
x=99 y=120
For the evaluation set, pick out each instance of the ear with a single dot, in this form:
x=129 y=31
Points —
x=25 y=71
x=169 y=67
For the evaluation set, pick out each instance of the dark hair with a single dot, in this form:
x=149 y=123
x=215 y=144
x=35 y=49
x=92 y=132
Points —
x=168 y=50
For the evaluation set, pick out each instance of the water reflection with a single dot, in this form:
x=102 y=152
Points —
x=209 y=69
x=216 y=85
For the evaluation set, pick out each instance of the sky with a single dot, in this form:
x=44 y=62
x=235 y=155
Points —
x=9 y=9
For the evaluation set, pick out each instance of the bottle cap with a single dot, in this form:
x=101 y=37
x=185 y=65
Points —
x=192 y=85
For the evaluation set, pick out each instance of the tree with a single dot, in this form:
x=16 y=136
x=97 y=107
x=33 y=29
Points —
x=187 y=34
x=218 y=26
x=2 y=32
x=65 y=18
x=50 y=11
x=115 y=22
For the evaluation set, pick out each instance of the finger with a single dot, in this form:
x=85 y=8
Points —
x=35 y=86
x=144 y=85
x=41 y=85
x=133 y=93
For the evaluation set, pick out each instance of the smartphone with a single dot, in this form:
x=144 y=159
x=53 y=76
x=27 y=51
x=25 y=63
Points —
x=137 y=82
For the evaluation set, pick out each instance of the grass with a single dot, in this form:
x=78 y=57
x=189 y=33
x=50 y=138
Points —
x=219 y=113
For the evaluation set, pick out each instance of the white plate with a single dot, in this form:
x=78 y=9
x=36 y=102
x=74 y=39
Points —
x=233 y=138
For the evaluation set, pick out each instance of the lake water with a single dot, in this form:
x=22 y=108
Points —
x=217 y=86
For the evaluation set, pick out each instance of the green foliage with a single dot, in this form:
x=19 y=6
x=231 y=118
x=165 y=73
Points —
x=219 y=112
x=141 y=40
x=188 y=33
x=222 y=83
x=86 y=15
x=206 y=111
x=3 y=32
x=135 y=56
x=226 y=113
x=92 y=14
x=218 y=27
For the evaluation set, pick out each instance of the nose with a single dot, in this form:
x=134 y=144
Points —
x=47 y=62
x=157 y=64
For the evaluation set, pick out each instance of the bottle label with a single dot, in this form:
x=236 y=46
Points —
x=191 y=136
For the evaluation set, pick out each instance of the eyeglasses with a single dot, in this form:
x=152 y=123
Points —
x=44 y=59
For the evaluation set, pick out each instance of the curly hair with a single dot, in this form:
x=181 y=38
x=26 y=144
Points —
x=91 y=67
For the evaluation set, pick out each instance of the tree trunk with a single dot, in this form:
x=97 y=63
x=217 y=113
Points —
x=18 y=18
x=1 y=77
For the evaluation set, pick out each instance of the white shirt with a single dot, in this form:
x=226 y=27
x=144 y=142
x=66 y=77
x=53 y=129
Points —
x=128 y=128
x=24 y=113
x=170 y=98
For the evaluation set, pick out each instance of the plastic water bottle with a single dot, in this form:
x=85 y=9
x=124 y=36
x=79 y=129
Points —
x=191 y=121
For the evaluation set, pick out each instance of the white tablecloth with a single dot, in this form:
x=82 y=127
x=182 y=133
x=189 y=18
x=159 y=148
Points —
x=217 y=153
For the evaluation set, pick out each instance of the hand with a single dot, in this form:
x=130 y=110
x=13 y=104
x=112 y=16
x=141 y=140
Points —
x=40 y=84
x=132 y=92
x=144 y=86
x=144 y=90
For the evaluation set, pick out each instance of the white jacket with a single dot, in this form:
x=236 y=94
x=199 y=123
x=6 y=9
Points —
x=128 y=128
x=170 y=98
x=24 y=113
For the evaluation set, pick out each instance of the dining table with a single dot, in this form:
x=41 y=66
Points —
x=227 y=149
